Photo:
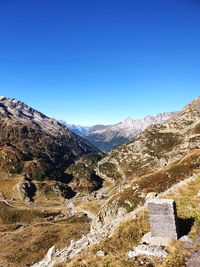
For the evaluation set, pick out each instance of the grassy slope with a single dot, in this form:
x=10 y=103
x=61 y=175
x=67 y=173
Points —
x=130 y=233
x=27 y=234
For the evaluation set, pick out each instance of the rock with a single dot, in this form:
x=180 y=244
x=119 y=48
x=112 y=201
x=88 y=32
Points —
x=148 y=251
x=107 y=214
x=51 y=252
x=100 y=253
x=185 y=238
x=100 y=195
x=148 y=239
x=163 y=218
x=128 y=203
x=187 y=242
x=151 y=195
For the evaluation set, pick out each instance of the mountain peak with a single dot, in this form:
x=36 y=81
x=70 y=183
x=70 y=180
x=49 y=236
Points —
x=2 y=98
x=107 y=137
x=195 y=104
x=127 y=120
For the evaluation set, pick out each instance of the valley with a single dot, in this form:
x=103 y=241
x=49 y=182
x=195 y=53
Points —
x=58 y=189
x=108 y=137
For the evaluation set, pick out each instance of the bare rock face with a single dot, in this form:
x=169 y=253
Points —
x=26 y=190
x=51 y=252
x=107 y=214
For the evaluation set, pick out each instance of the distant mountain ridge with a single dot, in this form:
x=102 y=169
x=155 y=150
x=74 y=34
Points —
x=107 y=137
x=77 y=129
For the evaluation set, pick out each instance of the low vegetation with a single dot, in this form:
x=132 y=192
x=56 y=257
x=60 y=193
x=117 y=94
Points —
x=130 y=233
x=83 y=177
x=33 y=232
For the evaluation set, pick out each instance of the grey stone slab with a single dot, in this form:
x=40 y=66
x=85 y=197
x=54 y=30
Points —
x=148 y=251
x=148 y=239
x=163 y=218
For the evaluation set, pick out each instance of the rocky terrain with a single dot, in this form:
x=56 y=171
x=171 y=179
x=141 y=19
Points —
x=34 y=145
x=107 y=137
x=35 y=153
x=158 y=146
x=84 y=205
x=163 y=158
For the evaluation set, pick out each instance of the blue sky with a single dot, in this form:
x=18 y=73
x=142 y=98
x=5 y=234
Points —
x=98 y=61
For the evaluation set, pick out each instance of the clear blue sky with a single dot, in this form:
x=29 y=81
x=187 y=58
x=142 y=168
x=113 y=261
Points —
x=98 y=61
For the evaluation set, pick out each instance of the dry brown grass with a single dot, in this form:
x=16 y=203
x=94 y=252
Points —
x=128 y=199
x=92 y=206
x=7 y=185
x=164 y=178
x=115 y=247
x=129 y=234
x=26 y=245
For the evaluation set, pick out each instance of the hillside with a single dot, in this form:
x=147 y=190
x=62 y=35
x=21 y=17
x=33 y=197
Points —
x=35 y=147
x=35 y=152
x=114 y=249
x=93 y=195
x=158 y=146
x=163 y=157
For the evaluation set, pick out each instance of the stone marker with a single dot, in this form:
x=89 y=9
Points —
x=164 y=228
x=163 y=218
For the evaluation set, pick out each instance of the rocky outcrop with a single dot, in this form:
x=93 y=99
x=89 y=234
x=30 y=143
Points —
x=104 y=230
x=26 y=190
x=107 y=214
x=148 y=251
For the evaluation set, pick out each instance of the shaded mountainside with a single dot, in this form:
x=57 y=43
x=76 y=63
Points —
x=107 y=137
x=158 y=146
x=35 y=146
x=35 y=152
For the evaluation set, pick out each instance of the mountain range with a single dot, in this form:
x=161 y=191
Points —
x=35 y=146
x=55 y=186
x=159 y=145
x=107 y=137
x=163 y=158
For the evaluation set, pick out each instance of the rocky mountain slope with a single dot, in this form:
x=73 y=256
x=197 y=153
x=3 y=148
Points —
x=163 y=158
x=35 y=146
x=93 y=197
x=107 y=137
x=158 y=146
